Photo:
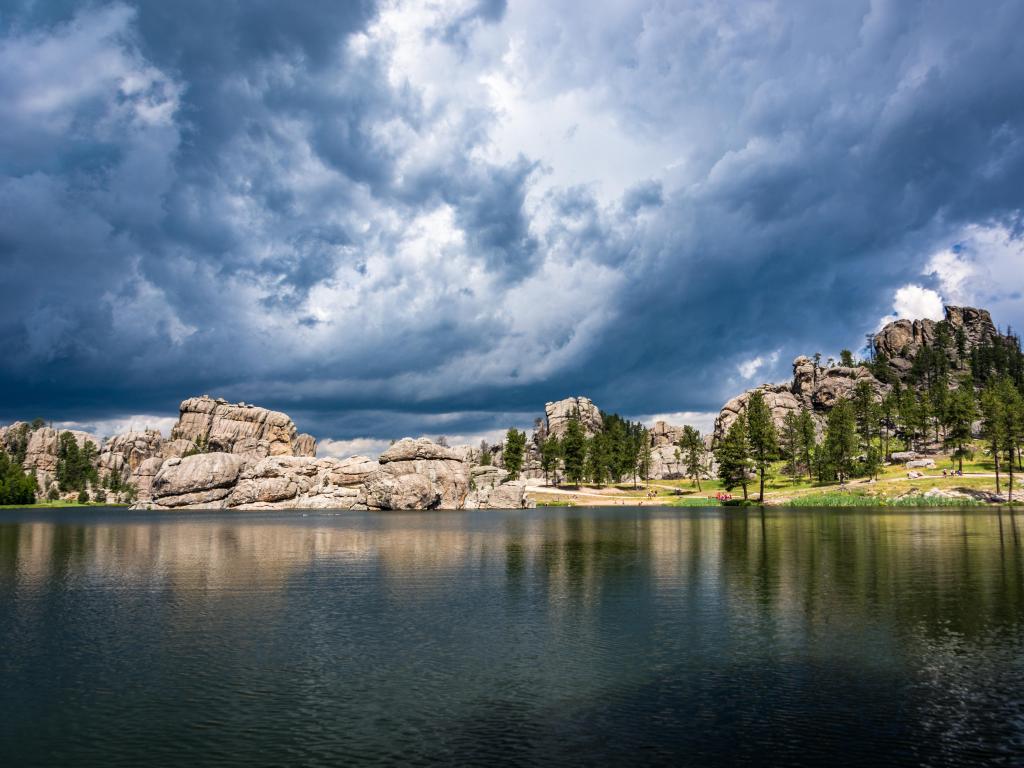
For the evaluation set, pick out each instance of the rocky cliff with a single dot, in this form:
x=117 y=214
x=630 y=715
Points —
x=896 y=346
x=241 y=428
x=967 y=328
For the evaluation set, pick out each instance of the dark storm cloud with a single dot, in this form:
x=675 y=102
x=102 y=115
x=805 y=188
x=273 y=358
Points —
x=258 y=200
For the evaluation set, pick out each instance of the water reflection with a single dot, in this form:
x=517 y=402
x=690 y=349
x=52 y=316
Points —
x=580 y=635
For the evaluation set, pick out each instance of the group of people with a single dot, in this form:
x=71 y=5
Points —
x=953 y=473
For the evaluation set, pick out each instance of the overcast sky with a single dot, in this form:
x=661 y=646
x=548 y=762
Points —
x=430 y=218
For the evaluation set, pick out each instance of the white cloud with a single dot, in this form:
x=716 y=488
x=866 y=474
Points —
x=749 y=368
x=915 y=302
x=985 y=268
x=359 y=446
x=105 y=428
x=702 y=420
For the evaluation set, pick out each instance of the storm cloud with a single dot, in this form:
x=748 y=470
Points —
x=411 y=218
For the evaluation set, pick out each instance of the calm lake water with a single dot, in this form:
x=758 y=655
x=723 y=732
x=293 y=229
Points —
x=569 y=636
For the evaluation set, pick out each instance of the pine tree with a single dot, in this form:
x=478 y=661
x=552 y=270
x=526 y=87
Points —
x=512 y=454
x=550 y=453
x=594 y=465
x=960 y=414
x=808 y=439
x=1012 y=428
x=733 y=456
x=840 y=445
x=789 y=444
x=691 y=447
x=574 y=449
x=764 y=443
x=993 y=421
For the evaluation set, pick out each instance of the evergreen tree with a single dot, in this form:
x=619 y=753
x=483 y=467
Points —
x=867 y=414
x=692 y=451
x=840 y=445
x=960 y=414
x=846 y=358
x=16 y=485
x=789 y=444
x=887 y=413
x=574 y=449
x=733 y=456
x=1012 y=414
x=993 y=421
x=512 y=454
x=808 y=439
x=550 y=453
x=645 y=459
x=764 y=443
x=594 y=464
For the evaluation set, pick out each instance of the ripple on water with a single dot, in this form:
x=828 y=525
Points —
x=551 y=636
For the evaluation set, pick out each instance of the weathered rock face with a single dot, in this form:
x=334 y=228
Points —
x=813 y=388
x=559 y=413
x=239 y=428
x=666 y=463
x=489 y=489
x=205 y=479
x=663 y=434
x=901 y=340
x=778 y=397
x=412 y=474
x=123 y=454
x=418 y=474
x=142 y=477
x=43 y=452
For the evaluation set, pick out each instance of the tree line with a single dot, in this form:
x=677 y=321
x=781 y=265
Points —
x=946 y=391
x=620 y=451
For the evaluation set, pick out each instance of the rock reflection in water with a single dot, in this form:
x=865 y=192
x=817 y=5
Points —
x=569 y=635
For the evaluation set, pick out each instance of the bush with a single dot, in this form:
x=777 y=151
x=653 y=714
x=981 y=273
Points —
x=101 y=496
x=83 y=497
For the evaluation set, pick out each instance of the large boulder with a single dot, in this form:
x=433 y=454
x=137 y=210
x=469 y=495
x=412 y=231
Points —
x=560 y=412
x=663 y=434
x=418 y=474
x=350 y=472
x=199 y=480
x=223 y=427
x=778 y=397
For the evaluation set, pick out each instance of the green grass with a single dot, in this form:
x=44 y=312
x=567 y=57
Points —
x=854 y=499
x=60 y=504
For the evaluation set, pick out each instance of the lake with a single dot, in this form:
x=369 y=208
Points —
x=550 y=636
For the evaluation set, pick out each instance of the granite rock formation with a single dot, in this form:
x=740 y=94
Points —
x=558 y=414
x=248 y=430
x=901 y=340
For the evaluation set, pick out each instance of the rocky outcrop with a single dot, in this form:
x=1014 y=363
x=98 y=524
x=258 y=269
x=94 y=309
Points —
x=900 y=341
x=489 y=489
x=418 y=474
x=663 y=433
x=412 y=474
x=240 y=428
x=813 y=388
x=778 y=397
x=43 y=452
x=123 y=454
x=818 y=389
x=560 y=412
x=204 y=480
